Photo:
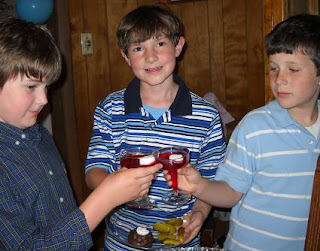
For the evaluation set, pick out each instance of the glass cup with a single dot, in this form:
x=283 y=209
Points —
x=138 y=157
x=173 y=158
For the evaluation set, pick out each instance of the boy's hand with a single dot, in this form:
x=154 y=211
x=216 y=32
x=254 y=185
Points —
x=192 y=222
x=115 y=189
x=130 y=184
x=189 y=179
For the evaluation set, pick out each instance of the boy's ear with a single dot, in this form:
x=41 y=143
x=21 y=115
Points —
x=125 y=57
x=179 y=46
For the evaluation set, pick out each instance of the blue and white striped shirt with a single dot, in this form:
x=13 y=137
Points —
x=120 y=121
x=271 y=159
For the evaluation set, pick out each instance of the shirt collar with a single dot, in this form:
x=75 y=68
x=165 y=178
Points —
x=182 y=104
x=280 y=115
x=9 y=133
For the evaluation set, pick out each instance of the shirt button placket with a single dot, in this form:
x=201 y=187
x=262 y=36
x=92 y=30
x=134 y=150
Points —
x=23 y=136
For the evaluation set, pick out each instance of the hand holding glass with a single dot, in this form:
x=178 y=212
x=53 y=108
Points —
x=138 y=157
x=172 y=159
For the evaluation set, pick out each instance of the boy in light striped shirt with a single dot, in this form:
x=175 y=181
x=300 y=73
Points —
x=267 y=177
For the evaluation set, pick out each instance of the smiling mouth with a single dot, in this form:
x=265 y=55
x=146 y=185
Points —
x=156 y=69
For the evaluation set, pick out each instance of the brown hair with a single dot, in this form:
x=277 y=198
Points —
x=27 y=49
x=148 y=21
x=299 y=33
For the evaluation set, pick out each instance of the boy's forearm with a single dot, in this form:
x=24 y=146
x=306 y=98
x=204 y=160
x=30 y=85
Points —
x=217 y=193
x=202 y=207
x=94 y=177
x=97 y=205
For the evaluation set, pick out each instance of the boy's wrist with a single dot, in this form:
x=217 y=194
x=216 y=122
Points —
x=201 y=186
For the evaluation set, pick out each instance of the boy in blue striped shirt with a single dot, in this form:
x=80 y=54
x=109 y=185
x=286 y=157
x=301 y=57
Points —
x=271 y=158
x=156 y=110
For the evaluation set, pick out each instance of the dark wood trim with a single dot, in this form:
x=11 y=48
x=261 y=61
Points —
x=64 y=123
x=313 y=231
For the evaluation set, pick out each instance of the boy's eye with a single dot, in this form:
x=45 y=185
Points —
x=31 y=87
x=162 y=43
x=271 y=68
x=293 y=70
x=137 y=49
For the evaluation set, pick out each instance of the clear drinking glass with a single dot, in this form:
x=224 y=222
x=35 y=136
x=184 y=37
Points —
x=173 y=158
x=138 y=157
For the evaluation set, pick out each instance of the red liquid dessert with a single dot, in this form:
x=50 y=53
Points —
x=137 y=160
x=172 y=162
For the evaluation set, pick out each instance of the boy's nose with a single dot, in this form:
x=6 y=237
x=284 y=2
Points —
x=42 y=96
x=281 y=78
x=151 y=56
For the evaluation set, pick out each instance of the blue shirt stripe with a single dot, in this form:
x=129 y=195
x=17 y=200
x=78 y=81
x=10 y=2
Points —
x=114 y=128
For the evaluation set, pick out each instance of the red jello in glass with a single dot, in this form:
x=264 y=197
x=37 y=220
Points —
x=173 y=158
x=138 y=157
x=133 y=160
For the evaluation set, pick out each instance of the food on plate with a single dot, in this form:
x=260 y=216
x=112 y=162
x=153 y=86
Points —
x=175 y=221
x=164 y=227
x=141 y=237
x=170 y=232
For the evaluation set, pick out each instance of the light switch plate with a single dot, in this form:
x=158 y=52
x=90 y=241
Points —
x=86 y=43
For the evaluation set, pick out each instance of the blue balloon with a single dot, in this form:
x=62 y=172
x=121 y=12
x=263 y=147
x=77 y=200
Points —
x=36 y=11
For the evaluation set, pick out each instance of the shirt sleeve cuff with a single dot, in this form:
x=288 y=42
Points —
x=80 y=238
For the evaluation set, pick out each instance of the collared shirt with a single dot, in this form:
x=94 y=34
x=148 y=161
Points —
x=271 y=159
x=120 y=121
x=37 y=207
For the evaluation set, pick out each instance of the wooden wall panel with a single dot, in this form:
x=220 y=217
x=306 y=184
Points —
x=216 y=51
x=313 y=229
x=255 y=58
x=235 y=57
x=64 y=123
x=274 y=13
x=95 y=22
x=89 y=71
x=81 y=95
x=120 y=72
x=180 y=69
x=196 y=62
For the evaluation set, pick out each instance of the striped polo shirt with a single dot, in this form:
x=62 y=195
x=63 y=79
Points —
x=271 y=159
x=120 y=121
